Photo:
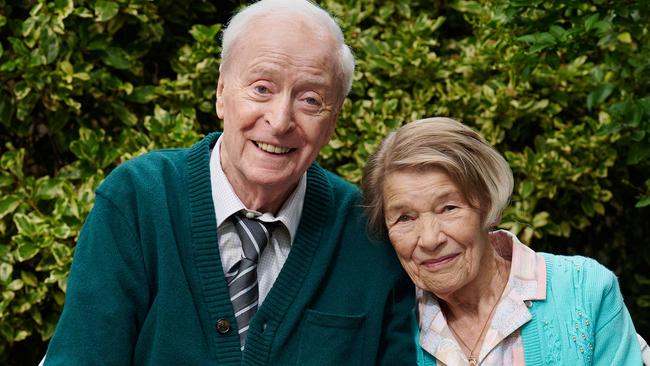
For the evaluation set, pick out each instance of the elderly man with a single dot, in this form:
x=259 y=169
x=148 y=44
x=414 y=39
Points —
x=241 y=250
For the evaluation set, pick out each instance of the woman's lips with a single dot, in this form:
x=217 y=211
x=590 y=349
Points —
x=439 y=262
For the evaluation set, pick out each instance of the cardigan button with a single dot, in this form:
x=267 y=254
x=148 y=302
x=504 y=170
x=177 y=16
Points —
x=529 y=304
x=223 y=326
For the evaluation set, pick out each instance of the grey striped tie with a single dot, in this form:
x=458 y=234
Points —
x=242 y=278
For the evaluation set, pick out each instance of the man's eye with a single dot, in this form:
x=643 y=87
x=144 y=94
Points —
x=261 y=89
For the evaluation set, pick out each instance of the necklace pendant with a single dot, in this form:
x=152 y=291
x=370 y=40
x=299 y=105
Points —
x=473 y=361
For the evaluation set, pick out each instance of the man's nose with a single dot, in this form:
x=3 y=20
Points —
x=280 y=118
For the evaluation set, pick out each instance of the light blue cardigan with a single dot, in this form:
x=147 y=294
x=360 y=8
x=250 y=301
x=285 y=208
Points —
x=582 y=321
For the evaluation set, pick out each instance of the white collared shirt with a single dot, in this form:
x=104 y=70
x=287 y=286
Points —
x=227 y=203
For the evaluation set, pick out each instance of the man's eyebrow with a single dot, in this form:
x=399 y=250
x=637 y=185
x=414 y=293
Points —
x=309 y=80
x=262 y=70
x=316 y=81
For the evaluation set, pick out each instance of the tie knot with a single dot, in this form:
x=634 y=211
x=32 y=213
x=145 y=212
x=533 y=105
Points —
x=254 y=234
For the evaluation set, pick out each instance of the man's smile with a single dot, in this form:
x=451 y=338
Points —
x=273 y=149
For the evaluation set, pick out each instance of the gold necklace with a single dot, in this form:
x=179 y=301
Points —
x=473 y=359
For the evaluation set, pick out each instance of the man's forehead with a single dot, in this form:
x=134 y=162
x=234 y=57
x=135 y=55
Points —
x=311 y=75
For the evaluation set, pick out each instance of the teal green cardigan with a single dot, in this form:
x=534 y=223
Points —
x=582 y=321
x=147 y=287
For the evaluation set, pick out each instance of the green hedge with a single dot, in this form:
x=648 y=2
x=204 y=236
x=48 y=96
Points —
x=560 y=87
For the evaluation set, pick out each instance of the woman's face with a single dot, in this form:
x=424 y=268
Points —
x=436 y=233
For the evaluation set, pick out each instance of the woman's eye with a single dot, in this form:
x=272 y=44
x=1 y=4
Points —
x=312 y=101
x=403 y=218
x=449 y=208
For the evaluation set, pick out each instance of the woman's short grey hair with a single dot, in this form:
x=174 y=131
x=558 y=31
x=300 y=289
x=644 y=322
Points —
x=481 y=174
x=239 y=23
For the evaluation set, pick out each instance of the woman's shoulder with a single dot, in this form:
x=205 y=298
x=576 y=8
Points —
x=585 y=281
x=582 y=268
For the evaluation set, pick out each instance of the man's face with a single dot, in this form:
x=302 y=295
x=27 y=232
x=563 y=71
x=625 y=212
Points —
x=279 y=98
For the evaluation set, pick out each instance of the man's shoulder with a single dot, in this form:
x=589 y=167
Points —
x=338 y=184
x=163 y=161
x=151 y=164
x=154 y=170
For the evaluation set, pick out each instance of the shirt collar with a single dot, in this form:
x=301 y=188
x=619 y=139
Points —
x=527 y=279
x=227 y=203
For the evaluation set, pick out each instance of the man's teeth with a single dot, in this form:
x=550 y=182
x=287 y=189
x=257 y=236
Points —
x=272 y=148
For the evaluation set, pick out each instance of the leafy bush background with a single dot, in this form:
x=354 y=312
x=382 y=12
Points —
x=560 y=87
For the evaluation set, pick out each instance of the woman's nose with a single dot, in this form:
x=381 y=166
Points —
x=431 y=233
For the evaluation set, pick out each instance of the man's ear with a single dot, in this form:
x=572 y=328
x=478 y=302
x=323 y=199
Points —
x=219 y=101
x=332 y=130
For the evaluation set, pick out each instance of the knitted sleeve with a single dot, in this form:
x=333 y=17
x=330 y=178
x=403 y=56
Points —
x=615 y=341
x=397 y=346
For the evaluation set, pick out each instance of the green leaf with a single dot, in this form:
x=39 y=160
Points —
x=591 y=21
x=62 y=231
x=524 y=3
x=558 y=32
x=403 y=8
x=6 y=269
x=50 y=44
x=48 y=188
x=526 y=188
x=15 y=285
x=462 y=6
x=6 y=108
x=5 y=328
x=599 y=95
x=26 y=251
x=62 y=253
x=65 y=7
x=116 y=57
x=540 y=219
x=8 y=204
x=124 y=114
x=203 y=34
x=143 y=94
x=29 y=278
x=28 y=27
x=538 y=41
x=10 y=65
x=21 y=335
x=22 y=89
x=643 y=202
x=24 y=224
x=638 y=152
x=106 y=10
x=87 y=147
x=624 y=37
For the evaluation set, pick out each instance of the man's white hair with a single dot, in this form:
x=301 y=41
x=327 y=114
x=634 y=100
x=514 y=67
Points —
x=306 y=9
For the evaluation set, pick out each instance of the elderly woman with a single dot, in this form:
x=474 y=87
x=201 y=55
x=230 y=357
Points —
x=483 y=297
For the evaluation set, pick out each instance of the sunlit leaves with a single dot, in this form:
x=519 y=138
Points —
x=106 y=10
x=559 y=87
x=203 y=33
